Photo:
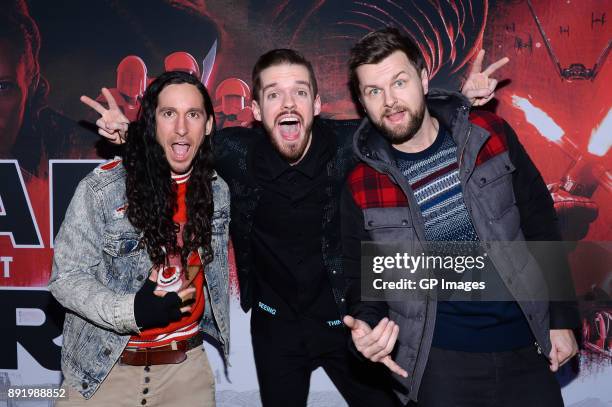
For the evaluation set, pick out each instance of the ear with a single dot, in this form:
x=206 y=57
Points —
x=209 y=125
x=317 y=105
x=256 y=110
x=425 y=81
x=362 y=104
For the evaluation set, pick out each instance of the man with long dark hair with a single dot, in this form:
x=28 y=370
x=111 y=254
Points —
x=285 y=177
x=130 y=259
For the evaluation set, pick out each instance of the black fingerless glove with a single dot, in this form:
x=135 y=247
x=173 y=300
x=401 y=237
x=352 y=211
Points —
x=151 y=311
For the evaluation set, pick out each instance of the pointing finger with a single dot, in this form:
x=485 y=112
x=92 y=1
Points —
x=112 y=104
x=495 y=66
x=477 y=65
x=93 y=104
x=394 y=367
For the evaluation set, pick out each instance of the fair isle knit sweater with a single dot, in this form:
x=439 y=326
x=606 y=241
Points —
x=474 y=326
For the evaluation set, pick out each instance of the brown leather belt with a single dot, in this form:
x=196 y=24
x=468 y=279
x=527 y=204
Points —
x=162 y=355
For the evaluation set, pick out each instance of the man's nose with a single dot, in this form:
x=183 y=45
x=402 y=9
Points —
x=181 y=126
x=288 y=101
x=390 y=99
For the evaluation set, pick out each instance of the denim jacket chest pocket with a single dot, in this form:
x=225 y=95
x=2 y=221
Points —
x=123 y=257
x=494 y=186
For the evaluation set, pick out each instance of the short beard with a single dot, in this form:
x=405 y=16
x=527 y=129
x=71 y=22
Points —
x=402 y=135
x=295 y=152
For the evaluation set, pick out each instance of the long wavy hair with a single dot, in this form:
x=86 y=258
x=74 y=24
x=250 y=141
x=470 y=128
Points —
x=151 y=192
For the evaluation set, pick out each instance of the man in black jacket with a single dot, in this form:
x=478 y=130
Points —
x=285 y=179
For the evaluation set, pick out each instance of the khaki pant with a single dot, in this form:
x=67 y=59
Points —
x=190 y=383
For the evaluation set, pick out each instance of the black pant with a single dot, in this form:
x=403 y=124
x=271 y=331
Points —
x=286 y=353
x=465 y=379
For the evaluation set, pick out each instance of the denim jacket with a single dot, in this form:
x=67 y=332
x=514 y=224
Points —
x=99 y=265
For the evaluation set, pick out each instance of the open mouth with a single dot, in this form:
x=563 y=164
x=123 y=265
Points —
x=289 y=127
x=180 y=150
x=395 y=117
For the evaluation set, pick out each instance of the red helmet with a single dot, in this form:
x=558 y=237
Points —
x=182 y=61
x=232 y=94
x=132 y=77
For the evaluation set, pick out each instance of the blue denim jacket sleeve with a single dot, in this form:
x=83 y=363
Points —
x=215 y=320
x=77 y=262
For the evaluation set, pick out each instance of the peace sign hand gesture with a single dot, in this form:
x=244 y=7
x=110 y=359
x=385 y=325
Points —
x=479 y=87
x=112 y=124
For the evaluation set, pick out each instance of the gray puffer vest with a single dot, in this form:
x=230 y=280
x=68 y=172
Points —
x=488 y=181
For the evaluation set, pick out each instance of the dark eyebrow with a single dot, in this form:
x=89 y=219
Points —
x=393 y=78
x=271 y=85
x=191 y=109
x=398 y=74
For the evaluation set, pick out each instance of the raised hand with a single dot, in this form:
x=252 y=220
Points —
x=376 y=344
x=112 y=124
x=479 y=87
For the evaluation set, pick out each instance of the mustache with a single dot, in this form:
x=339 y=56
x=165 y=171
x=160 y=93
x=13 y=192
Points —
x=289 y=112
x=396 y=109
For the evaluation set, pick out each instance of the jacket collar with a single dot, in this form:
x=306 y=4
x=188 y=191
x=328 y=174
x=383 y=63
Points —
x=450 y=108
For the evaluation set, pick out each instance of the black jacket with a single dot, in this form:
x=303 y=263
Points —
x=233 y=149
